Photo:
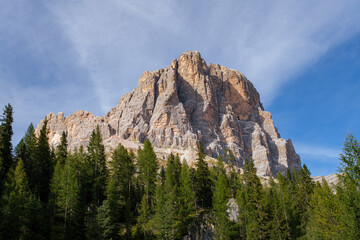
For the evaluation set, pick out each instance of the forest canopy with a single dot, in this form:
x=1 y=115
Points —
x=49 y=193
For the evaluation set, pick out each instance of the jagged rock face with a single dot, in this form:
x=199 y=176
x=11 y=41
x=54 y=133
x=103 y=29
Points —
x=187 y=102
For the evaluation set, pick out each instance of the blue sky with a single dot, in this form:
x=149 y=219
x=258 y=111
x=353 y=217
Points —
x=302 y=56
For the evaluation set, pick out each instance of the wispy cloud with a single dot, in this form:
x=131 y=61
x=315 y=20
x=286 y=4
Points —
x=63 y=55
x=318 y=152
x=269 y=41
x=114 y=40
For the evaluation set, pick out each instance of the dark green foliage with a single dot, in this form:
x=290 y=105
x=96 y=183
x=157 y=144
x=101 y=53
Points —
x=252 y=205
x=6 y=132
x=167 y=201
x=350 y=160
x=23 y=213
x=165 y=212
x=85 y=200
x=121 y=201
x=147 y=166
x=38 y=161
x=36 y=221
x=61 y=151
x=203 y=181
x=325 y=215
x=14 y=200
x=186 y=200
x=107 y=225
x=348 y=189
x=26 y=150
x=223 y=226
x=43 y=165
x=278 y=214
x=97 y=167
x=303 y=191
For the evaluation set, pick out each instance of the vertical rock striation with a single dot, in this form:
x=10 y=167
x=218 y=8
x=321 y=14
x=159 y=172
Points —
x=187 y=102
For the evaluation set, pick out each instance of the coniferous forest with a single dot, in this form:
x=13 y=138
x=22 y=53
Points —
x=55 y=194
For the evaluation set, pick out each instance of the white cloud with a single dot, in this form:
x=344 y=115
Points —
x=269 y=41
x=113 y=42
x=318 y=152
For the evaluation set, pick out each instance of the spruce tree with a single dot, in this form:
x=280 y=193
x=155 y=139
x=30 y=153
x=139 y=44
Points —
x=165 y=212
x=6 y=132
x=255 y=204
x=325 y=215
x=203 y=182
x=287 y=205
x=97 y=167
x=43 y=165
x=348 y=189
x=106 y=223
x=70 y=199
x=350 y=160
x=223 y=226
x=147 y=166
x=15 y=198
x=187 y=200
x=167 y=201
x=278 y=218
x=302 y=196
x=26 y=150
x=61 y=151
x=36 y=220
x=120 y=193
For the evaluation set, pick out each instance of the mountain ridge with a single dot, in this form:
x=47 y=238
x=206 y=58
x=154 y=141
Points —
x=178 y=106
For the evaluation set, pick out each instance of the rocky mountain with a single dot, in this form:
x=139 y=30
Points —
x=331 y=179
x=180 y=105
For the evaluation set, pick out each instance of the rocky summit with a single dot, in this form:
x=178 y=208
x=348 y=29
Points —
x=180 y=105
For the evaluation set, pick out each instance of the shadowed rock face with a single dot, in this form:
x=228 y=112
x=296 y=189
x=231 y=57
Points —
x=176 y=107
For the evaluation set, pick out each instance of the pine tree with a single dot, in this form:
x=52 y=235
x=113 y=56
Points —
x=348 y=189
x=26 y=150
x=350 y=160
x=36 y=221
x=255 y=204
x=325 y=215
x=120 y=193
x=71 y=200
x=16 y=195
x=164 y=211
x=97 y=167
x=147 y=167
x=220 y=199
x=234 y=182
x=43 y=165
x=61 y=151
x=287 y=205
x=301 y=200
x=241 y=200
x=187 y=199
x=167 y=200
x=106 y=223
x=143 y=231
x=6 y=132
x=203 y=182
x=58 y=219
x=278 y=219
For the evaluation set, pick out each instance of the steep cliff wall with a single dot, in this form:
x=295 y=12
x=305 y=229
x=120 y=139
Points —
x=187 y=102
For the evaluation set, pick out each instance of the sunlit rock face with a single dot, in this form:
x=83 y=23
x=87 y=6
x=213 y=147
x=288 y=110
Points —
x=176 y=107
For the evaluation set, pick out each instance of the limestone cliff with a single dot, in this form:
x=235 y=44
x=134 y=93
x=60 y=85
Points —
x=176 y=107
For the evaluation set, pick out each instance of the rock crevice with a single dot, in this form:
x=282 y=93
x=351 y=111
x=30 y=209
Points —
x=176 y=107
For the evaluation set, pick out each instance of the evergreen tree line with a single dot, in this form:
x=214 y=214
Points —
x=55 y=194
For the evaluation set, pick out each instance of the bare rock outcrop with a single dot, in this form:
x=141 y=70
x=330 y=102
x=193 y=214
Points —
x=176 y=107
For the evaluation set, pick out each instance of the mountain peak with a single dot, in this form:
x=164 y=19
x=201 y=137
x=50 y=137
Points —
x=187 y=102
